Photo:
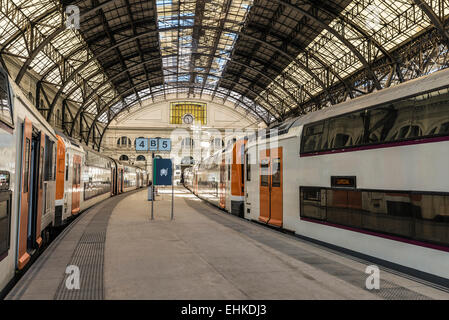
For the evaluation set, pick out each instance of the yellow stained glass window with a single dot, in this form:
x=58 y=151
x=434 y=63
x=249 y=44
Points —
x=178 y=110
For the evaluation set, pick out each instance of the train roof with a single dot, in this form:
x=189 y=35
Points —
x=41 y=123
x=127 y=164
x=434 y=81
x=70 y=141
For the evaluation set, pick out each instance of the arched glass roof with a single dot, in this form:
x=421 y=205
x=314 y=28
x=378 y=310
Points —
x=272 y=58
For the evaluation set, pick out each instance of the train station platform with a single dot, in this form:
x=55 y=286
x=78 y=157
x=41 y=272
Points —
x=204 y=253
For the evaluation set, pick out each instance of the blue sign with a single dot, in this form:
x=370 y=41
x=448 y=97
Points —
x=164 y=145
x=141 y=144
x=162 y=172
x=153 y=144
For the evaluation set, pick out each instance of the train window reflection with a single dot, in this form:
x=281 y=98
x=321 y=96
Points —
x=264 y=174
x=4 y=226
x=276 y=178
x=422 y=217
x=311 y=204
x=27 y=166
x=313 y=137
x=5 y=100
x=432 y=217
x=426 y=115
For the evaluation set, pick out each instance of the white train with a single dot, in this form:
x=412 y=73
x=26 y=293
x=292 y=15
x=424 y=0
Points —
x=46 y=179
x=370 y=175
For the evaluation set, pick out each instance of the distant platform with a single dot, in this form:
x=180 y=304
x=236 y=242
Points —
x=204 y=253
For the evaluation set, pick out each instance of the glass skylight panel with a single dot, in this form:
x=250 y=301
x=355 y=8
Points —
x=91 y=107
x=32 y=8
x=197 y=59
x=77 y=95
x=389 y=22
x=54 y=76
x=64 y=44
x=41 y=63
x=7 y=29
x=176 y=21
x=103 y=118
x=19 y=48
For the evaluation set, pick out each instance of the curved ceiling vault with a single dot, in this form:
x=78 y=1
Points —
x=273 y=58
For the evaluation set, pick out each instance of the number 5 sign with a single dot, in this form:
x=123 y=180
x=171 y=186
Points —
x=164 y=145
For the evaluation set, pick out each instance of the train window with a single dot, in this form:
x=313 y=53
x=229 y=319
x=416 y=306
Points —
x=5 y=222
x=426 y=115
x=67 y=167
x=341 y=140
x=26 y=171
x=76 y=174
x=344 y=130
x=49 y=158
x=344 y=207
x=6 y=114
x=422 y=217
x=312 y=138
x=54 y=161
x=311 y=203
x=380 y=123
x=444 y=129
x=264 y=173
x=431 y=218
x=402 y=133
x=41 y=166
x=99 y=182
x=276 y=173
x=248 y=167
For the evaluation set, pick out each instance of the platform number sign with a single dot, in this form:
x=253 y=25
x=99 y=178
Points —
x=164 y=145
x=141 y=144
x=153 y=144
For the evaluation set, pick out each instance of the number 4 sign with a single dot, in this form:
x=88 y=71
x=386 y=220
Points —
x=141 y=144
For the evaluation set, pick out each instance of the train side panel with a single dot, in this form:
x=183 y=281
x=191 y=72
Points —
x=96 y=179
x=32 y=178
x=9 y=198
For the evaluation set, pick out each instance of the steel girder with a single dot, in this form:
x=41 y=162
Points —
x=93 y=93
x=119 y=98
x=419 y=57
x=175 y=87
x=436 y=21
x=124 y=94
x=118 y=44
x=376 y=66
x=339 y=35
x=46 y=40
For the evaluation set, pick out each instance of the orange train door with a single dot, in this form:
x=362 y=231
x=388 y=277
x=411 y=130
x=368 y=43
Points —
x=276 y=210
x=23 y=256
x=76 y=185
x=271 y=202
x=265 y=173
x=60 y=180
